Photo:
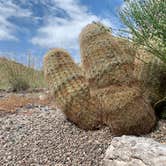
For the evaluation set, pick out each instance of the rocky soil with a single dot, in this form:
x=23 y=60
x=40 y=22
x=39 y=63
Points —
x=41 y=136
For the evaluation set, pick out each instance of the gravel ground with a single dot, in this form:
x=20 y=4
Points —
x=40 y=136
x=44 y=137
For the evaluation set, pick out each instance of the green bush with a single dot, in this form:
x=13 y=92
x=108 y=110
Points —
x=146 y=21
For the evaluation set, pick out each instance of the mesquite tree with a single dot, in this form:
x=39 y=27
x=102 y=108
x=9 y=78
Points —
x=146 y=22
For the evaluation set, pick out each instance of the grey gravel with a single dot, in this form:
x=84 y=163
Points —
x=46 y=138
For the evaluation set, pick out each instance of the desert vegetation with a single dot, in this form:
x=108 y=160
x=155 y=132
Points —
x=145 y=21
x=17 y=77
x=145 y=24
x=110 y=109
x=108 y=93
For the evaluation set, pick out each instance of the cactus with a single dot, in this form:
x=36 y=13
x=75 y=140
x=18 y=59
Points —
x=124 y=109
x=104 y=61
x=109 y=62
x=108 y=93
x=70 y=88
x=151 y=72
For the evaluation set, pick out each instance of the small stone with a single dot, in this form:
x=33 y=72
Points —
x=29 y=106
x=43 y=97
x=9 y=157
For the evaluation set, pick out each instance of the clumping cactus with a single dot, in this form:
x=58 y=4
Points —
x=108 y=93
x=151 y=72
x=109 y=63
x=70 y=88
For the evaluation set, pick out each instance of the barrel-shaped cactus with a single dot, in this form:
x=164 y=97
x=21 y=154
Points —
x=70 y=89
x=105 y=62
x=109 y=64
x=125 y=110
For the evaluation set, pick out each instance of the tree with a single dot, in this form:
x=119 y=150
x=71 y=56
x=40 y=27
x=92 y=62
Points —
x=146 y=22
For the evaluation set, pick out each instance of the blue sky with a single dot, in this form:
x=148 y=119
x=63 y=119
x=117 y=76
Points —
x=35 y=26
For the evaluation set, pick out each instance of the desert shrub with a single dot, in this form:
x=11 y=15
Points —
x=145 y=20
x=18 y=77
x=15 y=75
x=19 y=84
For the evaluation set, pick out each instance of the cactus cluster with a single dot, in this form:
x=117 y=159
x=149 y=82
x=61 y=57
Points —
x=151 y=72
x=107 y=93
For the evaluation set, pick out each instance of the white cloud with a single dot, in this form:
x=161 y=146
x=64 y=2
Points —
x=63 y=32
x=62 y=21
x=7 y=10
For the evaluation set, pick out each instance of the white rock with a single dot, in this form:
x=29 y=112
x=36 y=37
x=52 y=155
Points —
x=135 y=151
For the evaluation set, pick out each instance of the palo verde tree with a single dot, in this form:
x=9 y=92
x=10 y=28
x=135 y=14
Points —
x=146 y=22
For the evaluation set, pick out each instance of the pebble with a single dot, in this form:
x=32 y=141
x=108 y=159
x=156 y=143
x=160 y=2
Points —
x=29 y=106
